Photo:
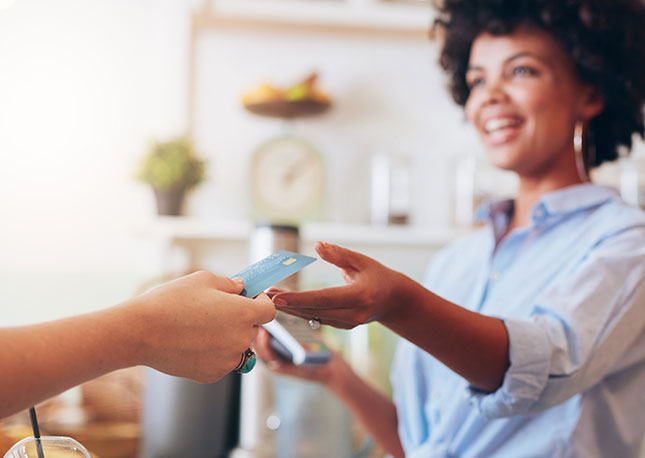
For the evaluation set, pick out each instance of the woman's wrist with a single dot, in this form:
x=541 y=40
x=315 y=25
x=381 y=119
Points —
x=399 y=299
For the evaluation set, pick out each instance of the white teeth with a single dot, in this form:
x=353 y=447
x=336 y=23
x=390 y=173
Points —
x=499 y=123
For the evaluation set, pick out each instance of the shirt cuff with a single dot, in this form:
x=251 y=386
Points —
x=525 y=379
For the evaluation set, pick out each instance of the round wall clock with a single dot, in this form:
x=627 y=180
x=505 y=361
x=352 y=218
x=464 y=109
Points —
x=287 y=180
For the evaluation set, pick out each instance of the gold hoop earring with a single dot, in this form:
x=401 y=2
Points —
x=578 y=133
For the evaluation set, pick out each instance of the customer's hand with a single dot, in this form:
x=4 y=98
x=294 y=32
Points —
x=197 y=326
x=371 y=293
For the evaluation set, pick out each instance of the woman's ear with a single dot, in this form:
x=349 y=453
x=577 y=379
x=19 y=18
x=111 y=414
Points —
x=592 y=103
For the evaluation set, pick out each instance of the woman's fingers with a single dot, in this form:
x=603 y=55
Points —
x=336 y=255
x=339 y=256
x=336 y=318
x=273 y=291
x=336 y=297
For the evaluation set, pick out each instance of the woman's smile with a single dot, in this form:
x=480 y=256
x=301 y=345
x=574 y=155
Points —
x=501 y=129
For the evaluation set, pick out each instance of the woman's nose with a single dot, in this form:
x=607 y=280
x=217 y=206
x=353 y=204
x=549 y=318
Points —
x=494 y=92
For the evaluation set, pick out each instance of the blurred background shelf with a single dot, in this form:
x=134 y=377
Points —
x=185 y=228
x=405 y=17
x=185 y=244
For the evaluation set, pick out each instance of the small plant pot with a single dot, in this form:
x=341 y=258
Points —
x=169 y=202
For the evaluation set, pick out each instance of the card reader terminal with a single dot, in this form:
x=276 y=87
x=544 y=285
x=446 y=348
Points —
x=294 y=340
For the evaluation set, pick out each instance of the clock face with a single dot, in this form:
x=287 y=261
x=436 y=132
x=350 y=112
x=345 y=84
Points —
x=287 y=176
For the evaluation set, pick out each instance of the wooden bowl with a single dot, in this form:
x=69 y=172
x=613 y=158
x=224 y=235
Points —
x=288 y=109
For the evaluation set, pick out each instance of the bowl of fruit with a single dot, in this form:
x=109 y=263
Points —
x=304 y=98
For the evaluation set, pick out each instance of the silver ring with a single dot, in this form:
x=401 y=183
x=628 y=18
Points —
x=247 y=362
x=314 y=323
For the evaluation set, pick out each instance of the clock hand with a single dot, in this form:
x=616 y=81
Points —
x=293 y=170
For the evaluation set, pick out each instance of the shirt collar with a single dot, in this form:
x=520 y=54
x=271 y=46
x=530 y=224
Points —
x=491 y=208
x=560 y=202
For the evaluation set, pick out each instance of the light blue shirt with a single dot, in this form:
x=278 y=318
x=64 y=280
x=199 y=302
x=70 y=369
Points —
x=571 y=291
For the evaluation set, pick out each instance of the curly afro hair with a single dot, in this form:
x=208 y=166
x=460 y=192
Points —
x=604 y=38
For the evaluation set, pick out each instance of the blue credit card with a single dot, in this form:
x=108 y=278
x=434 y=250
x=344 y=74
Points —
x=270 y=270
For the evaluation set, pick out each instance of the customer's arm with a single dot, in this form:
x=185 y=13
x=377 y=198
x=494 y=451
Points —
x=195 y=327
x=375 y=411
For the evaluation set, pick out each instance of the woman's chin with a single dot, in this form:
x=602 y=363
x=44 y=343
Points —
x=503 y=160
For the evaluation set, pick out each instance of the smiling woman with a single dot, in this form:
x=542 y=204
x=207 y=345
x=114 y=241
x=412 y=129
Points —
x=528 y=337
x=525 y=98
x=602 y=41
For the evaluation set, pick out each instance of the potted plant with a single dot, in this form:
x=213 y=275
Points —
x=172 y=169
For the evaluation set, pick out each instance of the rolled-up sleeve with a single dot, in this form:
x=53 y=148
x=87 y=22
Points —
x=527 y=376
x=589 y=324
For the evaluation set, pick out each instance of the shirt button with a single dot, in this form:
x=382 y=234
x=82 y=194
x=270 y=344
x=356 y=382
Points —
x=539 y=213
x=495 y=276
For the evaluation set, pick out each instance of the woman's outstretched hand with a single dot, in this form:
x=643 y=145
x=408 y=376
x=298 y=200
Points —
x=371 y=293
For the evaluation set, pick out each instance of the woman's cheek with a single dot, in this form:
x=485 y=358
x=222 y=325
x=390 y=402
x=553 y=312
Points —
x=469 y=110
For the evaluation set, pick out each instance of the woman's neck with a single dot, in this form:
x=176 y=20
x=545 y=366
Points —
x=531 y=191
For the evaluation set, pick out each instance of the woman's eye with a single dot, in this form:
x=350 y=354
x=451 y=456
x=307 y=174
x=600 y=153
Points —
x=474 y=82
x=523 y=70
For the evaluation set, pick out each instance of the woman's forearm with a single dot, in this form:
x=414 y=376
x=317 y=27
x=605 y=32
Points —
x=375 y=411
x=471 y=344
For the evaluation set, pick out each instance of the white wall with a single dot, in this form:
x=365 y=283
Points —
x=84 y=85
x=388 y=96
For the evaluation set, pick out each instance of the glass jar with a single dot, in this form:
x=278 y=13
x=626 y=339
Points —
x=476 y=181
x=48 y=446
x=632 y=180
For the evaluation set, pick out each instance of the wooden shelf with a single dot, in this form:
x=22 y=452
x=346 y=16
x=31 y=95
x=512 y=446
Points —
x=177 y=229
x=185 y=244
x=363 y=16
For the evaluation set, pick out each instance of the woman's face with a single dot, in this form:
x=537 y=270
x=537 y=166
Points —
x=525 y=98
